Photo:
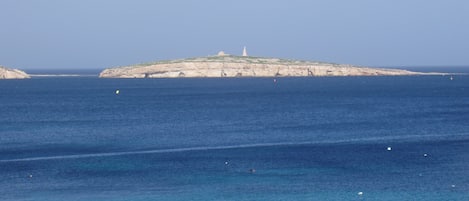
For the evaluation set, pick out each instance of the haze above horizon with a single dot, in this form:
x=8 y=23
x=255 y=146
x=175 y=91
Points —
x=87 y=34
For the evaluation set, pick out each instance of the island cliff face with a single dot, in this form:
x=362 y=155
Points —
x=243 y=66
x=7 y=73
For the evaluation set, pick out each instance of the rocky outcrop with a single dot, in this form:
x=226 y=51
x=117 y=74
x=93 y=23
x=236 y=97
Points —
x=236 y=66
x=7 y=73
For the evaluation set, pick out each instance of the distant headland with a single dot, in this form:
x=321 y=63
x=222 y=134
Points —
x=8 y=73
x=225 y=65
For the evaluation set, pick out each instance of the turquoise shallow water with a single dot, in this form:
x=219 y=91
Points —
x=235 y=139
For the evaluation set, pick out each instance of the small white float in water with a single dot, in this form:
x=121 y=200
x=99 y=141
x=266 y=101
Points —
x=117 y=92
x=360 y=193
x=425 y=155
x=389 y=148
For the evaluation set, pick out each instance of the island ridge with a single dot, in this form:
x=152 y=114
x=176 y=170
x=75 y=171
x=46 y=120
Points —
x=8 y=73
x=223 y=65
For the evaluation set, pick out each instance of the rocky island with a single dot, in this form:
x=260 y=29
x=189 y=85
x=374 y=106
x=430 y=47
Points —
x=7 y=73
x=223 y=65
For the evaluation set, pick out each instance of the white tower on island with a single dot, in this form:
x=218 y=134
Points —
x=245 y=53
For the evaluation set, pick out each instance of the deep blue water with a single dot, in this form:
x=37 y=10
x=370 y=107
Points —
x=235 y=139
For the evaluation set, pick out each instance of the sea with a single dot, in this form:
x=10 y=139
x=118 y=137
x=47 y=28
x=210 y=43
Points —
x=82 y=138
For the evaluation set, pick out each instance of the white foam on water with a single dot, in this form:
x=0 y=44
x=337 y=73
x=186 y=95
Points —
x=156 y=151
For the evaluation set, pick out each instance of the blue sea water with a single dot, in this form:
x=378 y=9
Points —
x=329 y=138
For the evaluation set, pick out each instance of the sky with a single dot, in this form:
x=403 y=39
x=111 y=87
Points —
x=98 y=34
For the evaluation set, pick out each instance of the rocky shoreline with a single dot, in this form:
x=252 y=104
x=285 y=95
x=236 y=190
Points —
x=8 y=73
x=244 y=66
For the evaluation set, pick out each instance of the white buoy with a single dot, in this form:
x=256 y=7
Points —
x=425 y=155
x=30 y=176
x=226 y=163
x=453 y=186
x=117 y=92
x=360 y=193
x=389 y=148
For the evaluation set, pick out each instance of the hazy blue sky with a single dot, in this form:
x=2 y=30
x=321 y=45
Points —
x=108 y=33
